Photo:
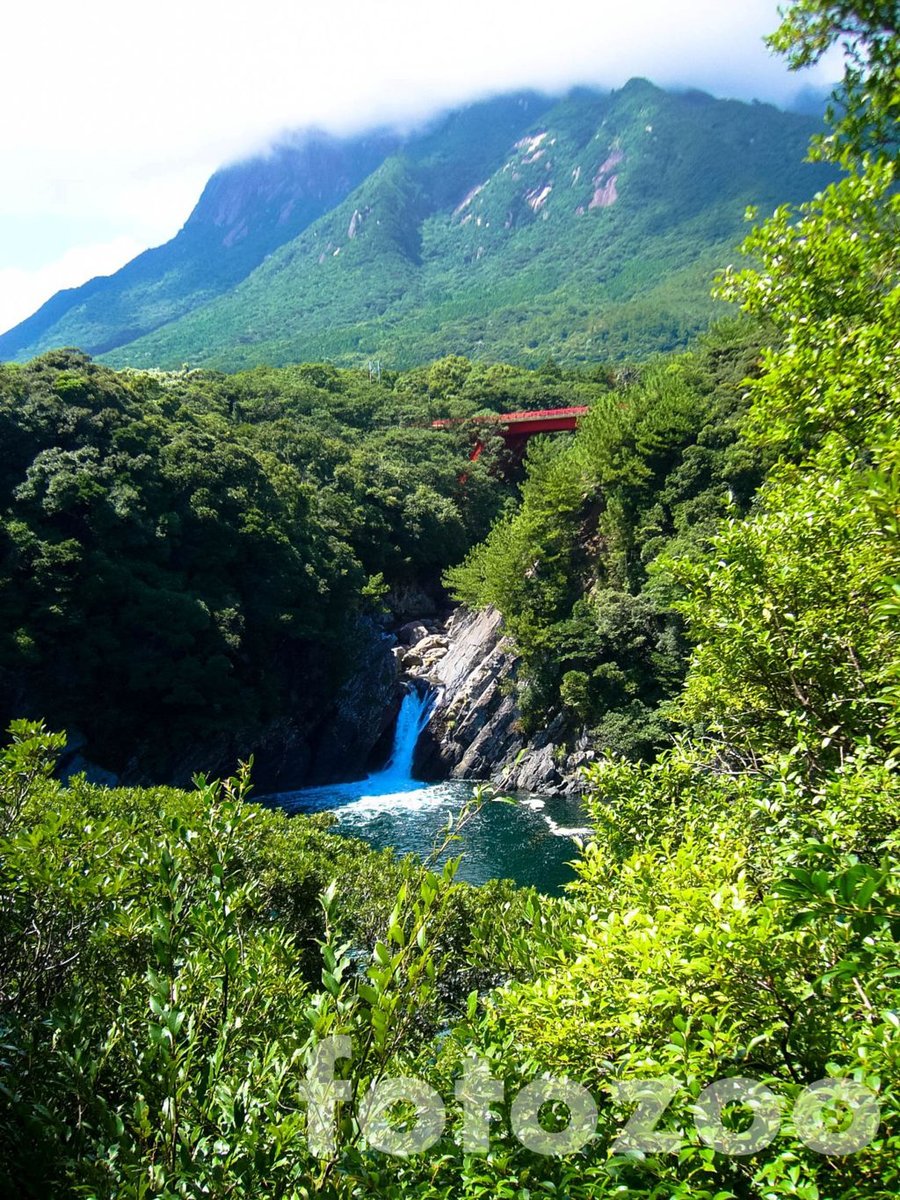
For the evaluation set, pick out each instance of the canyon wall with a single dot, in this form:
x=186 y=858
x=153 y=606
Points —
x=475 y=729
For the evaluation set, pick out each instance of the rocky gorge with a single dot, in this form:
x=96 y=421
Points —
x=474 y=732
x=475 y=727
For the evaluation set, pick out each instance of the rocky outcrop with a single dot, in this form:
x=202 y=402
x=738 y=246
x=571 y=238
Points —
x=364 y=710
x=419 y=599
x=475 y=731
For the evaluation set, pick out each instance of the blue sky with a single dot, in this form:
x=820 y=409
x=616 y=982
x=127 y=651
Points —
x=114 y=114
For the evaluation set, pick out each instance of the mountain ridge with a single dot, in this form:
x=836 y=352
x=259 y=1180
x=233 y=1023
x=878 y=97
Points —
x=585 y=226
x=284 y=207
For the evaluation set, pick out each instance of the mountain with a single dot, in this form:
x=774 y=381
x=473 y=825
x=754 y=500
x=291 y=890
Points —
x=584 y=227
x=246 y=211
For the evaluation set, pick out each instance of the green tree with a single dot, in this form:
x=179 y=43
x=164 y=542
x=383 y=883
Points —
x=865 y=110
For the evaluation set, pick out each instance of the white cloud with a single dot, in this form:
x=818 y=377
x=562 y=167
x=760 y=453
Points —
x=23 y=290
x=119 y=112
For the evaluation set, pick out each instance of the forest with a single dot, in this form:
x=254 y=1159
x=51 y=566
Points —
x=201 y=997
x=177 y=550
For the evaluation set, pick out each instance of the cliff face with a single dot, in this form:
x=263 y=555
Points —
x=247 y=210
x=327 y=736
x=363 y=712
x=475 y=731
x=335 y=744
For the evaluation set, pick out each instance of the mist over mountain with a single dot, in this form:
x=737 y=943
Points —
x=586 y=226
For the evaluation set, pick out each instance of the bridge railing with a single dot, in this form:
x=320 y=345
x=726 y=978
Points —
x=533 y=415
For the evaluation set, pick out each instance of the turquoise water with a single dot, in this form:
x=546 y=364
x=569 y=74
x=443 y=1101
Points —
x=529 y=841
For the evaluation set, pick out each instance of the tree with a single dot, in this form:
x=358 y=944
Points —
x=865 y=109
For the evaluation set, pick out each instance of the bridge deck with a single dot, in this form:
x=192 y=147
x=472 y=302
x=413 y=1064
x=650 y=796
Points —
x=517 y=427
x=532 y=420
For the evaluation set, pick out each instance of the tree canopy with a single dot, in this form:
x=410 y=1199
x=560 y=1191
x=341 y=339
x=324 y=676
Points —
x=166 y=980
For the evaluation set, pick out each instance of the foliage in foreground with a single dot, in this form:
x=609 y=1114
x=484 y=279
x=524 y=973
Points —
x=737 y=912
x=168 y=962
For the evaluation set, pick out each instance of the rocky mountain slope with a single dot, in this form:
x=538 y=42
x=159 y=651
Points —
x=246 y=211
x=585 y=227
x=475 y=728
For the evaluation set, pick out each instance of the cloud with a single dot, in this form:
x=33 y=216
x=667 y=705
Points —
x=23 y=290
x=123 y=110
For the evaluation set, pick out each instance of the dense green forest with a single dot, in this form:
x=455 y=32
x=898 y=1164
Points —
x=174 y=964
x=578 y=569
x=186 y=555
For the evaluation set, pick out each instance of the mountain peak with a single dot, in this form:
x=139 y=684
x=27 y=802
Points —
x=637 y=85
x=586 y=225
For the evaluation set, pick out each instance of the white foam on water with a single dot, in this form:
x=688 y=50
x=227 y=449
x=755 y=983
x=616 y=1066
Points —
x=371 y=804
x=390 y=790
x=583 y=831
x=391 y=808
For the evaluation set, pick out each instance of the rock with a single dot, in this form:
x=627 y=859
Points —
x=413 y=600
x=423 y=655
x=475 y=729
x=471 y=729
x=72 y=761
x=579 y=759
x=538 y=771
x=79 y=765
x=75 y=742
x=365 y=707
x=429 y=644
x=281 y=758
x=414 y=631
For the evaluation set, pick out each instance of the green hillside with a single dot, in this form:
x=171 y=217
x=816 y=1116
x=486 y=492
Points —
x=246 y=211
x=586 y=228
x=593 y=236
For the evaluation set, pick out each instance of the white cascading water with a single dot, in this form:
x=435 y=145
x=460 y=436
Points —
x=414 y=714
x=394 y=784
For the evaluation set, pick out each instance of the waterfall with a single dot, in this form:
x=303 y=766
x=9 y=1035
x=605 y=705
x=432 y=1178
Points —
x=415 y=711
x=391 y=782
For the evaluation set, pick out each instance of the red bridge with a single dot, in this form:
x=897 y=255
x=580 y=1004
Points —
x=516 y=428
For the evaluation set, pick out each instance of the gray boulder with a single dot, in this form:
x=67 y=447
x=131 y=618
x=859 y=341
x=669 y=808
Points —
x=363 y=711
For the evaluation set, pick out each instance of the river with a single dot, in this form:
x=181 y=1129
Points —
x=529 y=840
